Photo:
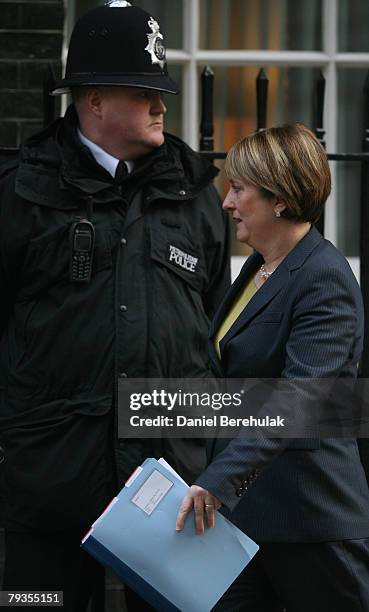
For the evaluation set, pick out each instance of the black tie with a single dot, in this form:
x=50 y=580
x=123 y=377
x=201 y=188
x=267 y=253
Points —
x=121 y=172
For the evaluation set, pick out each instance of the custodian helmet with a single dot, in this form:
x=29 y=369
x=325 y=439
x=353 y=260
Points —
x=116 y=44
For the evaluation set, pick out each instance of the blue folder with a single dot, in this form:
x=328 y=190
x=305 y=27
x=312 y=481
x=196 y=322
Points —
x=136 y=538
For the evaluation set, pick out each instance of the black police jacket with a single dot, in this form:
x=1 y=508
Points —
x=160 y=266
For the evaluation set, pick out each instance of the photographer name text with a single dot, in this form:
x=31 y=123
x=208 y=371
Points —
x=205 y=421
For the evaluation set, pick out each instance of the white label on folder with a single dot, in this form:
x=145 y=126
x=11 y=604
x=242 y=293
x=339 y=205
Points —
x=152 y=492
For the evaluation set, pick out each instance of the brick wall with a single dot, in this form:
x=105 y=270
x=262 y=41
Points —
x=30 y=38
x=31 y=35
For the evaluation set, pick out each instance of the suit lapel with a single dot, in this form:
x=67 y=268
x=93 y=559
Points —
x=266 y=293
x=260 y=299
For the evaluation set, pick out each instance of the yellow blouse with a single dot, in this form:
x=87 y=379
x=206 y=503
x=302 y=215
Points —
x=237 y=307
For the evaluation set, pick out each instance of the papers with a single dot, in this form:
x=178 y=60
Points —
x=171 y=470
x=136 y=538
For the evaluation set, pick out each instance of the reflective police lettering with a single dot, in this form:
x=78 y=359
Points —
x=182 y=259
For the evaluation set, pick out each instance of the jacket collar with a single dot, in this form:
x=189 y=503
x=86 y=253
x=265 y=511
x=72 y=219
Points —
x=57 y=170
x=293 y=261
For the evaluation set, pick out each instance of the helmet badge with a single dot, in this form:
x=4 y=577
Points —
x=118 y=3
x=155 y=45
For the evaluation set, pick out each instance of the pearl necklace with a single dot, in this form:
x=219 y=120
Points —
x=264 y=272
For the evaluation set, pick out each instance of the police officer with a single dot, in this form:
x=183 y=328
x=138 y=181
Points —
x=113 y=257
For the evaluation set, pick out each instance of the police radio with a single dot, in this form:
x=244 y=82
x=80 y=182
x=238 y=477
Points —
x=82 y=240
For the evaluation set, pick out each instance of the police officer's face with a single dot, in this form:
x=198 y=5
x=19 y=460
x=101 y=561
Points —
x=132 y=121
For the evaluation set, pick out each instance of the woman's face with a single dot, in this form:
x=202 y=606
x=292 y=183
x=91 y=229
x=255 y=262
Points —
x=252 y=212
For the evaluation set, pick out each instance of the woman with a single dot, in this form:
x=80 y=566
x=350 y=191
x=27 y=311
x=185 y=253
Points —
x=295 y=311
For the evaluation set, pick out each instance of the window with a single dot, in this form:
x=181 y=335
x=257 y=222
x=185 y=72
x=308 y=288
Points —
x=260 y=24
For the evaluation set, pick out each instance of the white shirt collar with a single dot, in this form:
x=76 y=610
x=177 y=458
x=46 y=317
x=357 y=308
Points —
x=103 y=158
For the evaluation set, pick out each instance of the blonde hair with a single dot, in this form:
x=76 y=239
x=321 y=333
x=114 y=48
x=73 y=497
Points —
x=288 y=162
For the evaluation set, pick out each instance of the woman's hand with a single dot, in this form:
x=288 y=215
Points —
x=203 y=503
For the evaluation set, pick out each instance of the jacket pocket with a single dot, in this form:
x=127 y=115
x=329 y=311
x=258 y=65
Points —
x=48 y=260
x=268 y=317
x=179 y=254
x=304 y=444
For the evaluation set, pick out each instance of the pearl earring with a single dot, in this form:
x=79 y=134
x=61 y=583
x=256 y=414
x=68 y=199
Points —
x=277 y=213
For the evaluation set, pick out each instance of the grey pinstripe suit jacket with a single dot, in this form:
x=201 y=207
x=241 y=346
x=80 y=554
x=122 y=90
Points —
x=305 y=321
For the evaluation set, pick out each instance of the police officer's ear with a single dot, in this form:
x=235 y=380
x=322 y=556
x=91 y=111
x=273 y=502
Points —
x=94 y=100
